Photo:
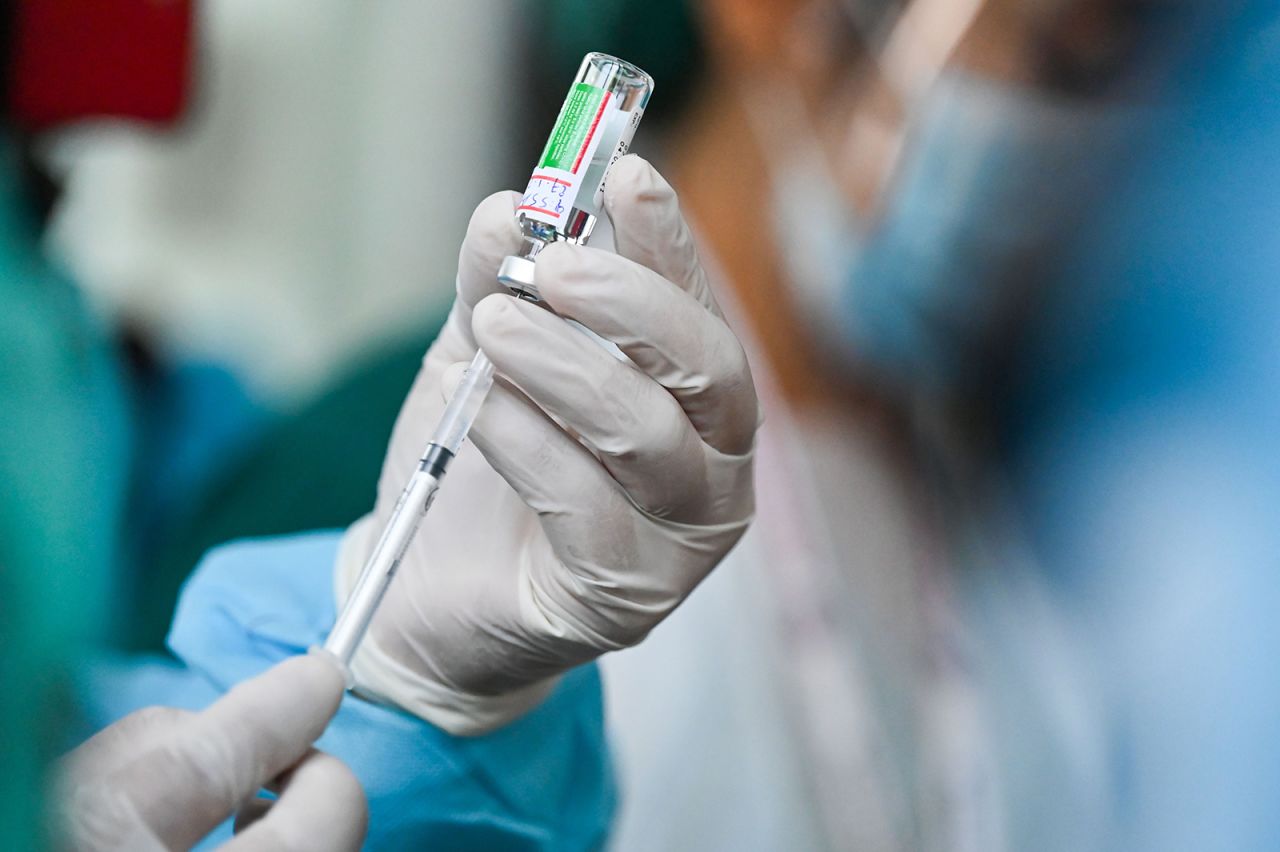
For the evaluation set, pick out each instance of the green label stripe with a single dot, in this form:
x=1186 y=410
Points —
x=572 y=128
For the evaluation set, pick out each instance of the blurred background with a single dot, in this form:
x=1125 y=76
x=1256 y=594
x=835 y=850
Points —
x=1005 y=271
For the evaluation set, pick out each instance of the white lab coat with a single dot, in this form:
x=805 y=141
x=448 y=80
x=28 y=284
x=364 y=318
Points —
x=742 y=723
x=837 y=683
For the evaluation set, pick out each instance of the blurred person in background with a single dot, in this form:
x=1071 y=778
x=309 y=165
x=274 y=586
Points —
x=886 y=189
x=1137 y=427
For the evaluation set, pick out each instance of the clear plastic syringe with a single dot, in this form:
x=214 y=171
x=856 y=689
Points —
x=561 y=203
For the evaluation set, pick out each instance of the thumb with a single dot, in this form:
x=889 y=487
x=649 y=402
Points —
x=193 y=779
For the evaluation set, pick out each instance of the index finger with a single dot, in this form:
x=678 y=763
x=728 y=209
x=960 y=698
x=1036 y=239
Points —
x=493 y=233
x=665 y=332
x=649 y=228
x=321 y=808
x=187 y=784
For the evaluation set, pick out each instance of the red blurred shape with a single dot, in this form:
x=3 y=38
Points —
x=76 y=59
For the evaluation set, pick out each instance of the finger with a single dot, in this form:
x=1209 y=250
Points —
x=594 y=603
x=121 y=742
x=664 y=331
x=192 y=779
x=649 y=228
x=252 y=810
x=642 y=436
x=492 y=234
x=321 y=807
x=552 y=473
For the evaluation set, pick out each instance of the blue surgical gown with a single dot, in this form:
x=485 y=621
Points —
x=1144 y=457
x=540 y=783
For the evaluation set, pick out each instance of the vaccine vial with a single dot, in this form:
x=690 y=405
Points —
x=566 y=191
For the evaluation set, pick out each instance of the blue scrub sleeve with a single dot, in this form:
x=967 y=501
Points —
x=541 y=783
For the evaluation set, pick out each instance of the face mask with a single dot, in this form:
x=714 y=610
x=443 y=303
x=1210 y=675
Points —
x=818 y=239
x=816 y=232
x=991 y=178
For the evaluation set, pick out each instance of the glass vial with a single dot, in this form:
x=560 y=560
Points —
x=566 y=191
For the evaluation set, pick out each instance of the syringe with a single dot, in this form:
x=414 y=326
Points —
x=415 y=500
x=561 y=203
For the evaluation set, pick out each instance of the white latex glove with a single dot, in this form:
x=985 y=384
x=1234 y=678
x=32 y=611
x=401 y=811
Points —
x=603 y=491
x=163 y=778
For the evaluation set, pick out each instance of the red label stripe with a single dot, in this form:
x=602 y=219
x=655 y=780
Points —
x=538 y=210
x=590 y=133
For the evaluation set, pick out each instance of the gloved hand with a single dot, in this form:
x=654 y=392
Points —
x=603 y=490
x=163 y=778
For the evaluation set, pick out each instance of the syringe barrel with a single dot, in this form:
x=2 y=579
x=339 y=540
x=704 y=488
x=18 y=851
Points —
x=381 y=567
x=565 y=193
x=461 y=411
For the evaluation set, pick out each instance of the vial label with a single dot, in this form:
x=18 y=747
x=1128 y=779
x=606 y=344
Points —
x=556 y=182
x=625 y=131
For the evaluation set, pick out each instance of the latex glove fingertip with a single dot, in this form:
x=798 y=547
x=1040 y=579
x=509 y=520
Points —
x=631 y=176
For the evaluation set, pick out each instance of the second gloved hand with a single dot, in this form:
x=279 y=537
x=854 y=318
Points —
x=162 y=778
x=602 y=492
